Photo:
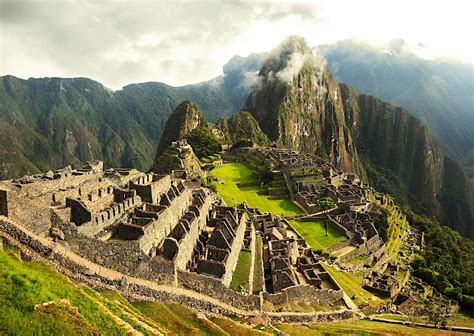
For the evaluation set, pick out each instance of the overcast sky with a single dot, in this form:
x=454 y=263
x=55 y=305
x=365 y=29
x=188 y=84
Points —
x=122 y=42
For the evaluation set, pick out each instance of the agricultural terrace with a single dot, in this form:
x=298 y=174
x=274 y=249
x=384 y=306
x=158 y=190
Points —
x=242 y=271
x=397 y=226
x=350 y=283
x=232 y=174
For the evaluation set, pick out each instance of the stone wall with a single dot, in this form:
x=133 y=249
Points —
x=120 y=255
x=233 y=256
x=339 y=245
x=214 y=287
x=353 y=254
x=304 y=293
x=3 y=203
x=296 y=318
x=150 y=186
x=156 y=231
x=186 y=245
x=42 y=187
x=102 y=219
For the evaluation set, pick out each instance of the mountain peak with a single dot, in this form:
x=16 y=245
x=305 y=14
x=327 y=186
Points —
x=185 y=118
x=293 y=43
x=288 y=58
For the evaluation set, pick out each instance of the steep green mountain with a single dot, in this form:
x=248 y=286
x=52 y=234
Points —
x=184 y=119
x=48 y=123
x=401 y=157
x=242 y=126
x=299 y=105
x=186 y=122
x=51 y=122
x=439 y=91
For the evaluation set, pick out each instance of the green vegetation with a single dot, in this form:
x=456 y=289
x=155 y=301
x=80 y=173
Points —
x=86 y=311
x=242 y=271
x=360 y=327
x=242 y=128
x=325 y=203
x=237 y=173
x=350 y=283
x=235 y=329
x=314 y=232
x=25 y=284
x=203 y=141
x=253 y=195
x=452 y=320
x=446 y=261
x=302 y=307
x=178 y=319
x=392 y=226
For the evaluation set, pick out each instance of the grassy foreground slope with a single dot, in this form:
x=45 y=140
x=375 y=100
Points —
x=84 y=311
x=25 y=284
x=253 y=195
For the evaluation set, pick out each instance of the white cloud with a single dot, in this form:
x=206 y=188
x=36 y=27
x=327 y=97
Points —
x=121 y=42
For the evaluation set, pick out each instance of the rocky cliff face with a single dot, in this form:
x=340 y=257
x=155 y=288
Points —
x=402 y=158
x=397 y=150
x=297 y=104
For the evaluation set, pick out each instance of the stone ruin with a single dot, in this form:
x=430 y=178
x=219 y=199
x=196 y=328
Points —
x=165 y=228
x=287 y=260
x=309 y=179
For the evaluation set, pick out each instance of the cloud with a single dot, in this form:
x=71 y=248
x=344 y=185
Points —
x=123 y=42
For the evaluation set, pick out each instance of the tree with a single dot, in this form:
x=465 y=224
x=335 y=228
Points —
x=325 y=203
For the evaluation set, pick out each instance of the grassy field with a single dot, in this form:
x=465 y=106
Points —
x=453 y=320
x=235 y=329
x=242 y=271
x=350 y=284
x=315 y=233
x=235 y=173
x=360 y=327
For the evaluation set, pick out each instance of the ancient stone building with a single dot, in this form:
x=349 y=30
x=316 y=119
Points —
x=222 y=249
